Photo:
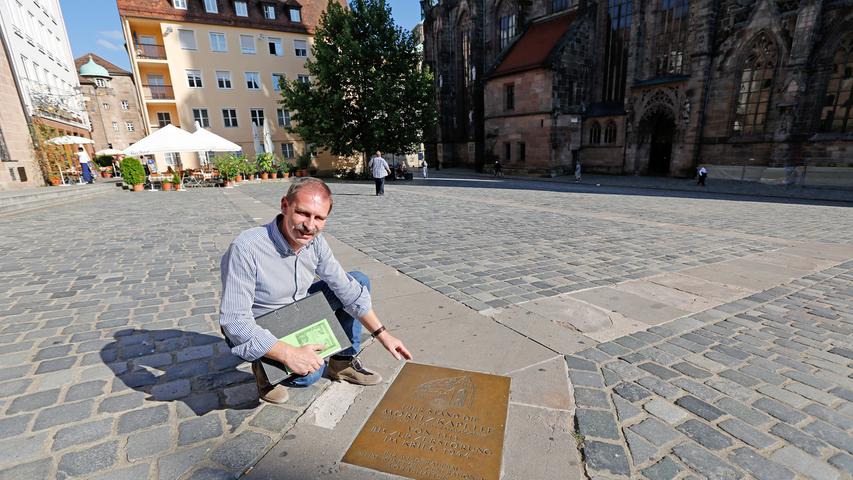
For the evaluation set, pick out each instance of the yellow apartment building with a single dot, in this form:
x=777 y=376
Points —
x=218 y=62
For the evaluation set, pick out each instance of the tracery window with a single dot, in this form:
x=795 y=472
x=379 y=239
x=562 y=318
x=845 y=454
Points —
x=756 y=85
x=465 y=48
x=616 y=49
x=837 y=112
x=506 y=25
x=671 y=23
x=610 y=132
x=595 y=133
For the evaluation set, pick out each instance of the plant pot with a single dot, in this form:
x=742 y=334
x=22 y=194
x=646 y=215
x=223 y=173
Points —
x=229 y=183
x=265 y=176
x=167 y=186
x=54 y=181
x=286 y=174
x=238 y=179
x=251 y=177
x=303 y=172
x=138 y=188
x=274 y=175
x=178 y=186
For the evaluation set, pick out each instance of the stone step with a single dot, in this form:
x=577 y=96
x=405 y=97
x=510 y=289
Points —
x=33 y=198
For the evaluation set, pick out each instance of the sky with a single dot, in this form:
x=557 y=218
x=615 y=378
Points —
x=94 y=26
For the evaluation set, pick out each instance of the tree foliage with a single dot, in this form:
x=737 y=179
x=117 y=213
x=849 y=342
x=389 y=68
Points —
x=367 y=90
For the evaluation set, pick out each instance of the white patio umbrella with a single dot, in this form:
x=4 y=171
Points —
x=109 y=151
x=256 y=139
x=268 y=146
x=212 y=142
x=69 y=140
x=167 y=139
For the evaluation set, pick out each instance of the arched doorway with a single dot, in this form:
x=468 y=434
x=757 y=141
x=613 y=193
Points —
x=662 y=129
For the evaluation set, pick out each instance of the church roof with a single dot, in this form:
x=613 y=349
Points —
x=533 y=48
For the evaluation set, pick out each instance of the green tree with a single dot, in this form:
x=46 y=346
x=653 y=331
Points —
x=367 y=91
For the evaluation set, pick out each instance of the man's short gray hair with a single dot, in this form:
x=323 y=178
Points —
x=301 y=183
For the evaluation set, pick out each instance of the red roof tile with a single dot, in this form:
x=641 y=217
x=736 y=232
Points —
x=532 y=49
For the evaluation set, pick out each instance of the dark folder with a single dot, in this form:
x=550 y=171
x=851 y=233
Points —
x=310 y=320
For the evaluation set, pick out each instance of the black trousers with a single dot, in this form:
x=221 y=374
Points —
x=380 y=185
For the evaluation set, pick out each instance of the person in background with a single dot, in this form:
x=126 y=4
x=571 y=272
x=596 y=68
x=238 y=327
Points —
x=85 y=166
x=703 y=174
x=379 y=170
x=424 y=168
x=578 y=169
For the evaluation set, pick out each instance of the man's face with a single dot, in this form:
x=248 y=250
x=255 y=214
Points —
x=305 y=217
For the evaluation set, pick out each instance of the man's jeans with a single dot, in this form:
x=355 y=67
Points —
x=352 y=327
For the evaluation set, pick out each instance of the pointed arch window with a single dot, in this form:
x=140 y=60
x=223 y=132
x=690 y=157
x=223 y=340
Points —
x=610 y=132
x=595 y=133
x=837 y=112
x=465 y=48
x=671 y=23
x=616 y=49
x=756 y=86
x=506 y=22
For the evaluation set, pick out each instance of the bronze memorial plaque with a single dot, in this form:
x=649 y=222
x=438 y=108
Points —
x=436 y=423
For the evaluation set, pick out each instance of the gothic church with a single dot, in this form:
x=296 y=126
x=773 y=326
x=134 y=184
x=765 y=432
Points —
x=650 y=87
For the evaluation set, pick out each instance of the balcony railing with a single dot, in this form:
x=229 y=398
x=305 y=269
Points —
x=158 y=92
x=148 y=51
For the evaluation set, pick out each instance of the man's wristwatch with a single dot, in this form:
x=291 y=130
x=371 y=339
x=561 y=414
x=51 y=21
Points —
x=376 y=332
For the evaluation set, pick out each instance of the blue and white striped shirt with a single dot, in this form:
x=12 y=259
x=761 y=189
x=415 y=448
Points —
x=261 y=272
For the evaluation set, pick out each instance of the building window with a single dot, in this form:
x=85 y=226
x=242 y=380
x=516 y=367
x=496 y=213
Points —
x=223 y=79
x=671 y=22
x=616 y=49
x=163 y=119
x=194 y=78
x=229 y=117
x=187 y=39
x=507 y=152
x=295 y=15
x=257 y=116
x=210 y=6
x=610 y=132
x=247 y=44
x=182 y=4
x=115 y=127
x=300 y=48
x=837 y=112
x=269 y=11
x=283 y=117
x=509 y=97
x=253 y=80
x=465 y=43
x=277 y=81
x=506 y=29
x=218 y=42
x=522 y=152
x=125 y=105
x=173 y=159
x=756 y=84
x=241 y=9
x=287 y=150
x=128 y=126
x=595 y=133
x=303 y=78
x=100 y=82
x=275 y=48
x=105 y=106
x=559 y=5
x=200 y=116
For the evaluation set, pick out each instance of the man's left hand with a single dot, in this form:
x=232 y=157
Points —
x=394 y=345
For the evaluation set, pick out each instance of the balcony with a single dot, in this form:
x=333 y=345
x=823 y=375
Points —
x=158 y=92
x=150 y=52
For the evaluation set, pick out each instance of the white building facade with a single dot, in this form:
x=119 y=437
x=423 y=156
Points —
x=43 y=65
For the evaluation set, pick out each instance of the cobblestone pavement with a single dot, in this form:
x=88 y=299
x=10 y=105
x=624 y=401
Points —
x=112 y=365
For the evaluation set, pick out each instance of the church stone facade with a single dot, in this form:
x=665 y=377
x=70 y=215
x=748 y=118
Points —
x=651 y=87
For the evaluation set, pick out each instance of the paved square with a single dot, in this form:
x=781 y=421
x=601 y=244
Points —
x=705 y=337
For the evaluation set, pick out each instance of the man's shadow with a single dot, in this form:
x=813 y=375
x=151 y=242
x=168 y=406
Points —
x=174 y=365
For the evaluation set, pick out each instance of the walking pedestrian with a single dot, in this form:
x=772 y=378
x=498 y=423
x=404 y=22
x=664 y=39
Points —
x=379 y=170
x=703 y=174
x=424 y=168
x=85 y=168
x=578 y=169
x=498 y=168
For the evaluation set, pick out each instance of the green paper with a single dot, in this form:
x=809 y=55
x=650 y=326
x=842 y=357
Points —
x=319 y=332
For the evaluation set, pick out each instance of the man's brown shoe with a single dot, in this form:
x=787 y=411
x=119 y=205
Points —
x=352 y=371
x=273 y=394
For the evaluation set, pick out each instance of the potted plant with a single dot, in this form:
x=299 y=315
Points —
x=54 y=180
x=286 y=169
x=133 y=173
x=228 y=168
x=249 y=168
x=303 y=161
x=176 y=180
x=105 y=165
x=266 y=164
x=167 y=184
